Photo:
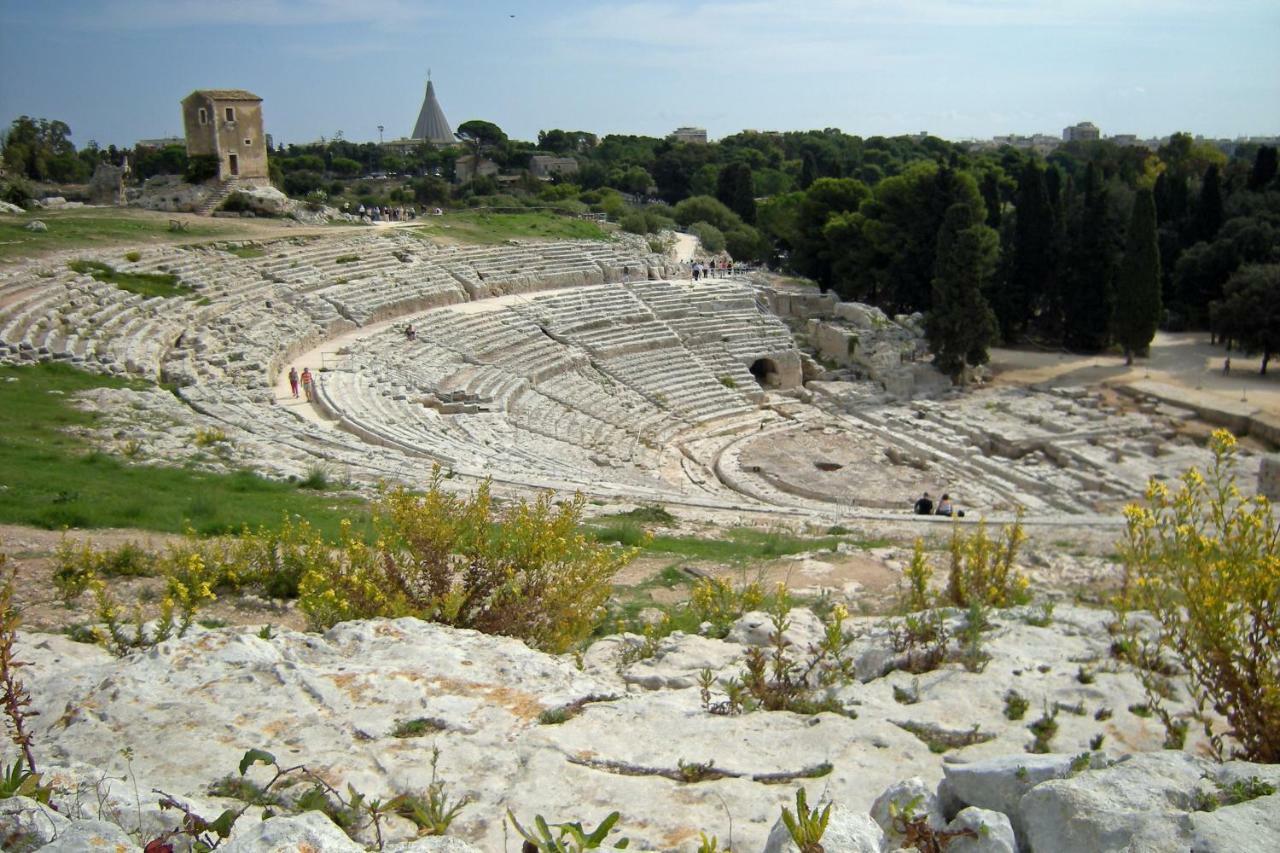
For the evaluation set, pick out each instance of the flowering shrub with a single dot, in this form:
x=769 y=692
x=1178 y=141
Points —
x=1205 y=562
x=525 y=572
x=982 y=569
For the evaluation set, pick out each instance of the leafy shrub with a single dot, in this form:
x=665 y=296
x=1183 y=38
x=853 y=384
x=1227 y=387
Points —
x=1205 y=562
x=200 y=168
x=917 y=575
x=983 y=569
x=528 y=572
x=717 y=601
x=711 y=237
x=187 y=588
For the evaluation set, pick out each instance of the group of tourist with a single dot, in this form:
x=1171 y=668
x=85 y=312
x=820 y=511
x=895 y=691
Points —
x=378 y=213
x=925 y=506
x=305 y=380
x=710 y=268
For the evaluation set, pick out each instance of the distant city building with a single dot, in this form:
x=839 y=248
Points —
x=1124 y=140
x=432 y=126
x=544 y=166
x=1085 y=131
x=692 y=135
x=157 y=144
x=227 y=124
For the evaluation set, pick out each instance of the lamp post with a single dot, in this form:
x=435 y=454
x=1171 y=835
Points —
x=379 y=134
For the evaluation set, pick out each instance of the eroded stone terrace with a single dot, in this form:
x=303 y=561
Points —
x=592 y=366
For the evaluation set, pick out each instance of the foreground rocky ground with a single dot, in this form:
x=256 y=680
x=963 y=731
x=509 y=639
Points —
x=625 y=727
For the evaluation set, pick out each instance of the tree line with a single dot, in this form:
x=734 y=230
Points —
x=1093 y=246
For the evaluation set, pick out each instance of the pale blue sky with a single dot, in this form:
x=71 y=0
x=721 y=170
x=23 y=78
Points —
x=115 y=70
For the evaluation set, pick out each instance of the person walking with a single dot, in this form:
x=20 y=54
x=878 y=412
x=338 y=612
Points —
x=293 y=381
x=307 y=383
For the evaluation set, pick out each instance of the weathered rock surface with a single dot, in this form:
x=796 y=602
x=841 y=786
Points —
x=191 y=707
x=994 y=832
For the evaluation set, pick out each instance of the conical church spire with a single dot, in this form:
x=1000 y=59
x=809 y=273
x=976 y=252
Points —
x=432 y=125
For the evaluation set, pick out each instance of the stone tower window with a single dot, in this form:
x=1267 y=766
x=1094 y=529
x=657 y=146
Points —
x=204 y=116
x=231 y=114
x=248 y=141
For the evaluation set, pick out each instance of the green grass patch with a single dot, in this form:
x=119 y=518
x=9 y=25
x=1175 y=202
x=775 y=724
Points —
x=740 y=545
x=144 y=284
x=81 y=229
x=473 y=226
x=51 y=479
x=246 y=252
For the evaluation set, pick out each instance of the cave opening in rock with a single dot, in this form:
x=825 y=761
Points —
x=765 y=370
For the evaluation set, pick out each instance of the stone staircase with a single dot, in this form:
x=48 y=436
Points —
x=216 y=198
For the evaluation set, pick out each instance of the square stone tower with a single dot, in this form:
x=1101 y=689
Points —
x=227 y=124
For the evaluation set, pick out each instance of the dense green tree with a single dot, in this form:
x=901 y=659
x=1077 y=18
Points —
x=827 y=197
x=1249 y=313
x=989 y=186
x=1203 y=270
x=1208 y=212
x=1032 y=263
x=1138 y=306
x=1264 y=168
x=711 y=237
x=961 y=325
x=704 y=208
x=1089 y=269
x=566 y=141
x=674 y=169
x=736 y=189
x=808 y=170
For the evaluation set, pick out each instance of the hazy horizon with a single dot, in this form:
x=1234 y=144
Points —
x=958 y=69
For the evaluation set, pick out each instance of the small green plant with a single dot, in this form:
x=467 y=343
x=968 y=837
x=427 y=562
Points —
x=1081 y=762
x=1044 y=730
x=133 y=257
x=553 y=716
x=266 y=632
x=904 y=696
x=16 y=780
x=1140 y=709
x=1084 y=676
x=916 y=832
x=14 y=696
x=1015 y=705
x=972 y=655
x=1102 y=714
x=922 y=638
x=431 y=815
x=1021 y=773
x=568 y=837
x=806 y=826
x=1175 y=733
x=209 y=437
x=728 y=382
x=709 y=845
x=1243 y=790
x=940 y=740
x=417 y=727
x=1043 y=618
x=318 y=478
x=346 y=259
x=1095 y=742
x=695 y=771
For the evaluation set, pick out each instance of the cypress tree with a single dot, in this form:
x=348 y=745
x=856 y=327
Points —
x=1264 y=168
x=990 y=189
x=736 y=189
x=1089 y=270
x=808 y=170
x=961 y=324
x=1138 y=283
x=1032 y=253
x=1208 y=218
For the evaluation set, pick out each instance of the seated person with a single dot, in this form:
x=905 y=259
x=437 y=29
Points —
x=944 y=506
x=924 y=506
